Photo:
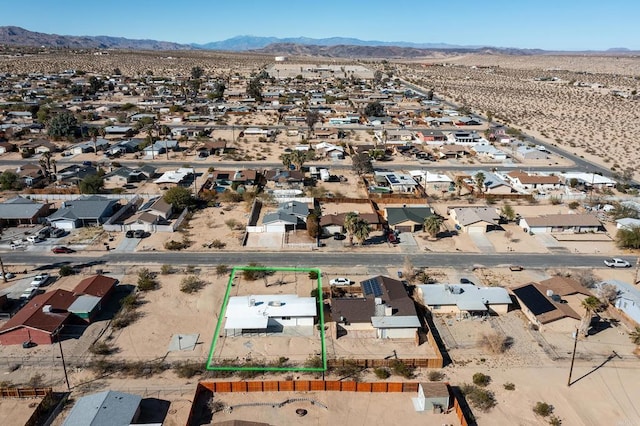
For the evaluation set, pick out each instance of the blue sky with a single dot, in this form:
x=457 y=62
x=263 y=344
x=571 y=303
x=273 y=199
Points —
x=545 y=24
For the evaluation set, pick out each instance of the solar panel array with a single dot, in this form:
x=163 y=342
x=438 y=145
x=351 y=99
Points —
x=392 y=178
x=371 y=288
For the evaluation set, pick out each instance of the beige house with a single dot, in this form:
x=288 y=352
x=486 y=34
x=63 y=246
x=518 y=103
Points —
x=544 y=309
x=464 y=299
x=475 y=219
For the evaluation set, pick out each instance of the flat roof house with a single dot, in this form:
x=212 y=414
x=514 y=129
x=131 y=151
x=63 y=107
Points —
x=464 y=299
x=108 y=408
x=270 y=313
x=551 y=223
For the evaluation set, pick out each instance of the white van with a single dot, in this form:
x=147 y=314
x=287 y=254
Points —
x=34 y=239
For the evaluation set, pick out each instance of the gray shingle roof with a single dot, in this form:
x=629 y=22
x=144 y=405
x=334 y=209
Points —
x=19 y=208
x=397 y=215
x=93 y=207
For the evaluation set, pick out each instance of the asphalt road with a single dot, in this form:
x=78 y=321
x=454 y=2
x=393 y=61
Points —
x=313 y=259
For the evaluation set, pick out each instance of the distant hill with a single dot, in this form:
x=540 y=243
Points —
x=352 y=51
x=247 y=42
x=20 y=37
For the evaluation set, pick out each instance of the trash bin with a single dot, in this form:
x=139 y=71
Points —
x=399 y=274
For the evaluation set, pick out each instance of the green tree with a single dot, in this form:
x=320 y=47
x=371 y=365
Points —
x=459 y=183
x=362 y=164
x=298 y=158
x=479 y=178
x=179 y=197
x=311 y=119
x=508 y=212
x=95 y=84
x=433 y=224
x=313 y=224
x=374 y=109
x=63 y=125
x=361 y=230
x=349 y=225
x=286 y=161
x=254 y=89
x=10 y=181
x=591 y=304
x=93 y=133
x=635 y=336
x=196 y=73
x=91 y=184
x=627 y=237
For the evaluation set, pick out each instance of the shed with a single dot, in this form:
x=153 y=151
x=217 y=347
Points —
x=432 y=396
x=108 y=408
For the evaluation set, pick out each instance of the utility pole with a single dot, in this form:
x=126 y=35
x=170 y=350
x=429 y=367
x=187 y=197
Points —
x=635 y=281
x=4 y=276
x=573 y=356
x=64 y=365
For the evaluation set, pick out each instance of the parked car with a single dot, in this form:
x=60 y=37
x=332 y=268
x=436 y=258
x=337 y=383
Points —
x=617 y=263
x=340 y=281
x=57 y=232
x=338 y=236
x=39 y=280
x=34 y=239
x=129 y=234
x=466 y=281
x=62 y=249
x=139 y=233
x=28 y=293
x=7 y=275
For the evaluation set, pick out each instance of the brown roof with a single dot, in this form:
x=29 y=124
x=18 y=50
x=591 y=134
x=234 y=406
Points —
x=564 y=286
x=453 y=148
x=97 y=285
x=244 y=175
x=33 y=316
x=338 y=219
x=564 y=220
x=352 y=309
x=215 y=144
x=546 y=310
x=526 y=178
x=435 y=389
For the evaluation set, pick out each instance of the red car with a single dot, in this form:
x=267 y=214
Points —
x=62 y=249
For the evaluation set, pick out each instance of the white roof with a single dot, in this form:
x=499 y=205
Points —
x=174 y=176
x=429 y=177
x=589 y=178
x=465 y=296
x=241 y=312
x=395 y=322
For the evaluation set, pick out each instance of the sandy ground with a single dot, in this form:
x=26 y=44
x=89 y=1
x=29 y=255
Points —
x=17 y=411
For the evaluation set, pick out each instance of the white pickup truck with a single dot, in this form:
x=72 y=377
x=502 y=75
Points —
x=39 y=280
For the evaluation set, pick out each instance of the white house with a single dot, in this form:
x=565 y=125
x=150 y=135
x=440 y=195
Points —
x=627 y=299
x=464 y=298
x=272 y=313
x=555 y=223
x=398 y=182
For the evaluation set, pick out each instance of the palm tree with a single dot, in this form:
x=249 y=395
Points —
x=349 y=224
x=459 y=184
x=361 y=230
x=591 y=304
x=635 y=336
x=93 y=132
x=479 y=178
x=432 y=225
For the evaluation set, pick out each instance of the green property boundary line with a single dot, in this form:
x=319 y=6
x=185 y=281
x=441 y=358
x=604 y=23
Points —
x=320 y=301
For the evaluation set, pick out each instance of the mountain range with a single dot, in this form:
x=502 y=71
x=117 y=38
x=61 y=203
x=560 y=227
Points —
x=338 y=47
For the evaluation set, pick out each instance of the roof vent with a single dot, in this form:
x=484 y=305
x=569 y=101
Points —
x=46 y=308
x=252 y=302
x=275 y=303
x=549 y=293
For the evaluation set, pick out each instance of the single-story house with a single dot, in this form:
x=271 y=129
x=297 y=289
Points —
x=525 y=181
x=624 y=223
x=270 y=313
x=540 y=306
x=93 y=294
x=475 y=219
x=464 y=299
x=332 y=223
x=246 y=177
x=74 y=174
x=385 y=311
x=84 y=211
x=31 y=174
x=124 y=175
x=118 y=130
x=7 y=147
x=284 y=178
x=427 y=136
x=39 y=321
x=589 y=180
x=296 y=208
x=19 y=210
x=489 y=152
x=128 y=146
x=528 y=153
x=576 y=223
x=160 y=147
x=627 y=300
x=175 y=176
x=437 y=181
x=408 y=218
x=84 y=147
x=105 y=408
x=280 y=221
x=398 y=182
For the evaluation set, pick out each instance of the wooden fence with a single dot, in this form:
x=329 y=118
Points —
x=24 y=392
x=435 y=362
x=309 y=386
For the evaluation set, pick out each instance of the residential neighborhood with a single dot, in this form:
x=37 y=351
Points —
x=290 y=222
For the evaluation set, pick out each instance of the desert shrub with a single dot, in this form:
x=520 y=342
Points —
x=187 y=370
x=555 y=201
x=190 y=269
x=543 y=409
x=230 y=197
x=129 y=301
x=36 y=380
x=509 y=386
x=313 y=362
x=480 y=398
x=125 y=318
x=191 y=284
x=66 y=270
x=252 y=275
x=435 y=376
x=313 y=275
x=177 y=245
x=555 y=421
x=399 y=368
x=495 y=343
x=216 y=406
x=423 y=277
x=100 y=348
x=573 y=205
x=222 y=270
x=481 y=379
x=233 y=224
x=146 y=280
x=382 y=373
x=166 y=269
x=218 y=244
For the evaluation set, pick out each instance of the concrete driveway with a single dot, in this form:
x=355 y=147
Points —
x=482 y=242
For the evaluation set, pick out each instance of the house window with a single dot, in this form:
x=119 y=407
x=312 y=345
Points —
x=436 y=307
x=286 y=318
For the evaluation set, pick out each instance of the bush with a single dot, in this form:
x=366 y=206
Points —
x=349 y=369
x=187 y=370
x=66 y=270
x=543 y=409
x=100 y=348
x=125 y=318
x=573 y=205
x=36 y=380
x=482 y=399
x=166 y=269
x=233 y=224
x=313 y=362
x=222 y=270
x=495 y=343
x=509 y=386
x=555 y=421
x=480 y=379
x=146 y=280
x=191 y=284
x=251 y=275
x=382 y=373
x=218 y=244
x=555 y=201
x=435 y=376
x=177 y=245
x=399 y=368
